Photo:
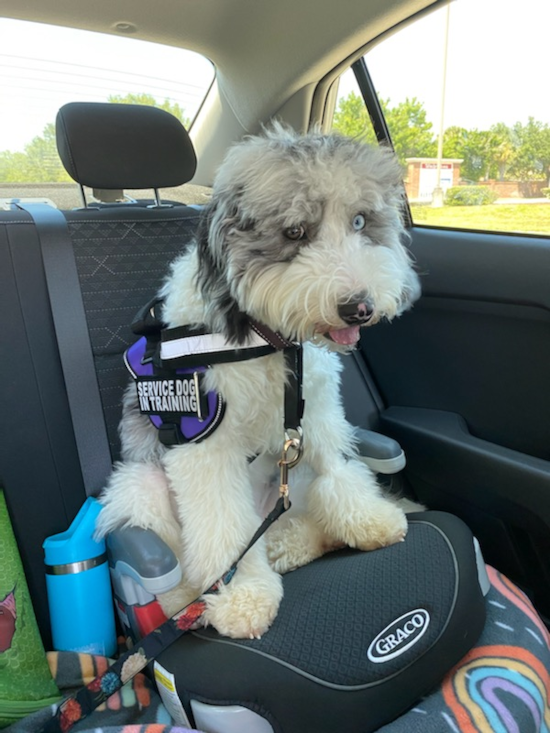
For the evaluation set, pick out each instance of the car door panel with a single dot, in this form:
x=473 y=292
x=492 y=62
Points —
x=464 y=379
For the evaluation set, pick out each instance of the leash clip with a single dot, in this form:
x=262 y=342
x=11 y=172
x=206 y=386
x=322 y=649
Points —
x=292 y=453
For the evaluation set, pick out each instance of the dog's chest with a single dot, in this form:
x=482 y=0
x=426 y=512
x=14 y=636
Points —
x=253 y=392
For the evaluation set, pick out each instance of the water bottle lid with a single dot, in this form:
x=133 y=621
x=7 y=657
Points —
x=77 y=543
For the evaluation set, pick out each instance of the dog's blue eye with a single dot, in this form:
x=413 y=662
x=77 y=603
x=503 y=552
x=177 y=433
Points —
x=358 y=222
x=295 y=233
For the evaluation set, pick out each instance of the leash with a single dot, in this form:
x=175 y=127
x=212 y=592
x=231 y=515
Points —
x=78 y=706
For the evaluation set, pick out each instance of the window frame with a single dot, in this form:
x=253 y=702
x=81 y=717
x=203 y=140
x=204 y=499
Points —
x=380 y=127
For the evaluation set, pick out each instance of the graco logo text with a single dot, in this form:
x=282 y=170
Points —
x=399 y=636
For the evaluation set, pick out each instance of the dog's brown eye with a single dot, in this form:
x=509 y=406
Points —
x=295 y=233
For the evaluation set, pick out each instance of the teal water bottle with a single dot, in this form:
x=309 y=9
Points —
x=79 y=588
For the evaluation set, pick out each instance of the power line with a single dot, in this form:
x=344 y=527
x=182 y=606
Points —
x=115 y=87
x=98 y=68
x=82 y=90
x=111 y=79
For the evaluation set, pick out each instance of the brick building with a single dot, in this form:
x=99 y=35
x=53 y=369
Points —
x=421 y=177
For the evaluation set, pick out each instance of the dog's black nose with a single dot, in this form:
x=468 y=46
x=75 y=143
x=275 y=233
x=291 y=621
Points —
x=356 y=312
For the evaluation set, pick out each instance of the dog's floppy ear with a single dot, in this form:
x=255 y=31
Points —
x=223 y=312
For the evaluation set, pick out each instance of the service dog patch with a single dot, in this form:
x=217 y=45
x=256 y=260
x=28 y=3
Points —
x=174 y=395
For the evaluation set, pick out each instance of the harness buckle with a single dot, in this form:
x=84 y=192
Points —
x=198 y=396
x=291 y=455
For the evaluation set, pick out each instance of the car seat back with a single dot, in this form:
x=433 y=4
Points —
x=122 y=252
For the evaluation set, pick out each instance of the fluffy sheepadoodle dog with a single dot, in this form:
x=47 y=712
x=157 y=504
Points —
x=304 y=235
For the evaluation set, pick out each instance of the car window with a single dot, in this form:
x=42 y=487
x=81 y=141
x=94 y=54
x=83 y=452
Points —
x=463 y=96
x=43 y=67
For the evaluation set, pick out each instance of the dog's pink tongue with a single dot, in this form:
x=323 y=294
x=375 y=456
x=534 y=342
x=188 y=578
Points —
x=345 y=336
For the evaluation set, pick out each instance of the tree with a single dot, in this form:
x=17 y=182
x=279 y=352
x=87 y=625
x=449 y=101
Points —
x=475 y=147
x=352 y=119
x=173 y=107
x=532 y=143
x=479 y=154
x=14 y=167
x=454 y=142
x=504 y=150
x=44 y=163
x=410 y=131
x=39 y=163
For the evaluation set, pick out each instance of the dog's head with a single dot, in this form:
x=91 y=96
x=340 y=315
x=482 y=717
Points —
x=304 y=233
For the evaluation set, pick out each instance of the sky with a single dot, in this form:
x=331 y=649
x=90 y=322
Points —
x=497 y=67
x=497 y=63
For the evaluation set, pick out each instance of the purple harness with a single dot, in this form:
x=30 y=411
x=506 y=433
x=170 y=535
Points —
x=174 y=401
x=169 y=364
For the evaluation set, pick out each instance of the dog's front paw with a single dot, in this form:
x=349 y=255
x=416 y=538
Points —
x=385 y=524
x=296 y=541
x=244 y=611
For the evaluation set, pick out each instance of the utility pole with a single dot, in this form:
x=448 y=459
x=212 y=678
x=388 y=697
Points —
x=437 y=196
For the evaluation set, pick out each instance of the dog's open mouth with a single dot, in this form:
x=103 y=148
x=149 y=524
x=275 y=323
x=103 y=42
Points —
x=348 y=336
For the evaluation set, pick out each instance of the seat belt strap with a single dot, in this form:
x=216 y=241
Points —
x=74 y=346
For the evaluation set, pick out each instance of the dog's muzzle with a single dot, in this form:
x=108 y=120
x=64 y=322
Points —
x=357 y=312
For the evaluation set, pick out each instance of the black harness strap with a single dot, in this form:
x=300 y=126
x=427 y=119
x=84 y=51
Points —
x=75 y=350
x=293 y=353
x=294 y=401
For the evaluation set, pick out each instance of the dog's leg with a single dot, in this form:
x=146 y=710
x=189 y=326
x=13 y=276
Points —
x=345 y=498
x=216 y=510
x=137 y=495
x=296 y=541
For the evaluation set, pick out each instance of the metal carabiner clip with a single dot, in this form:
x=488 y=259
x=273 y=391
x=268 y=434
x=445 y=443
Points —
x=292 y=453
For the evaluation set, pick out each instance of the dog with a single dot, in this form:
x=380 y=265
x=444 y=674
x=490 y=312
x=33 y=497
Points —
x=304 y=234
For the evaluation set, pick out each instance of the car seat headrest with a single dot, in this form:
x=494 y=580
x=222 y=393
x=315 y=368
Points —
x=117 y=146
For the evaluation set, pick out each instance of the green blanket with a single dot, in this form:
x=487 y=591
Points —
x=25 y=680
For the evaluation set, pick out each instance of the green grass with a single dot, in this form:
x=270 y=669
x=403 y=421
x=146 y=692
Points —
x=526 y=218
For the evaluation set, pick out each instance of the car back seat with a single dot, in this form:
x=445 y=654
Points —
x=122 y=252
